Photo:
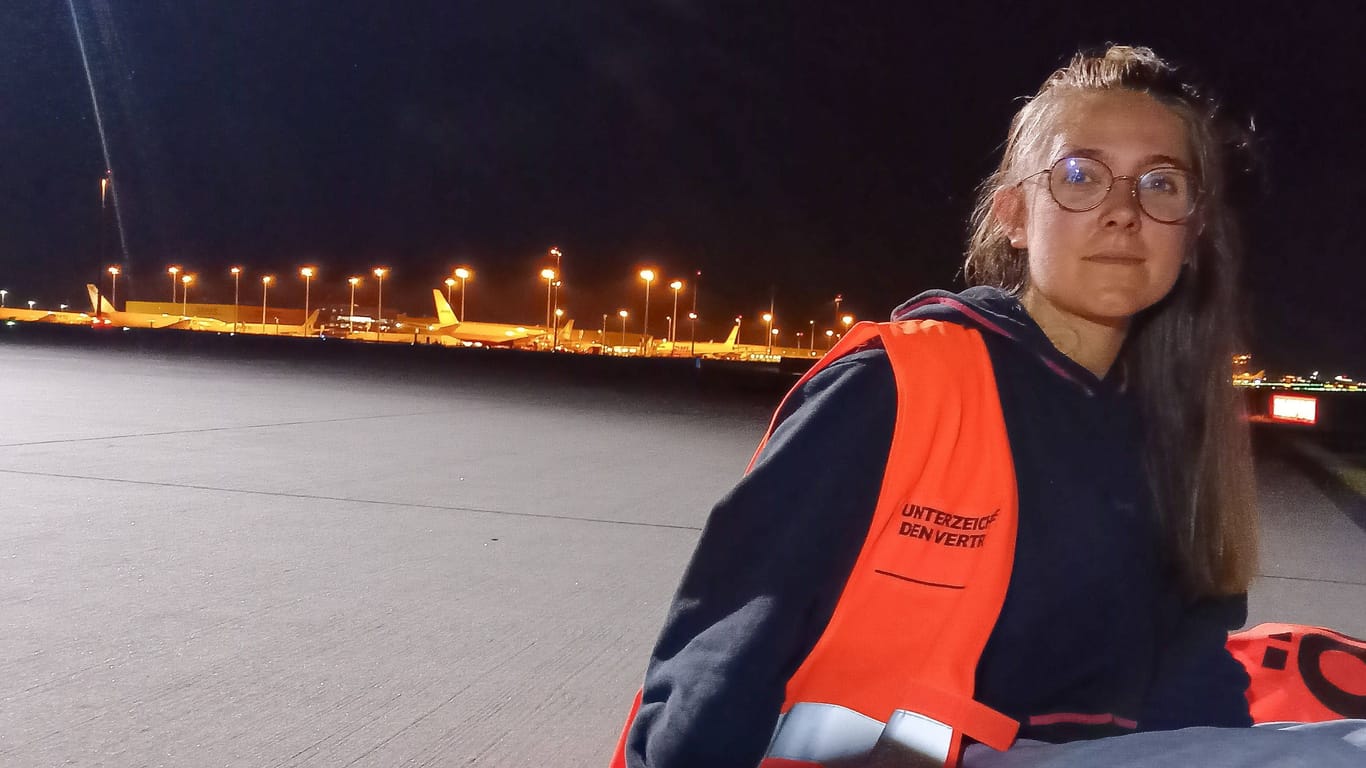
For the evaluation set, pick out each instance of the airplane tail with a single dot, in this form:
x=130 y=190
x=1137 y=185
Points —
x=567 y=330
x=104 y=307
x=445 y=316
x=733 y=337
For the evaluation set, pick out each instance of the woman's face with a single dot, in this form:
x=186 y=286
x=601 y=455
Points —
x=1109 y=263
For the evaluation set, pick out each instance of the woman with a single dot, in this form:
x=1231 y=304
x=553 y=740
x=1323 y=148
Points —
x=1026 y=504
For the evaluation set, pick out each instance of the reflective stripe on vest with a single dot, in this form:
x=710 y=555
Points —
x=1301 y=673
x=828 y=733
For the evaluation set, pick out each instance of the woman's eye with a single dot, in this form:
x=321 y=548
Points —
x=1078 y=172
x=1165 y=183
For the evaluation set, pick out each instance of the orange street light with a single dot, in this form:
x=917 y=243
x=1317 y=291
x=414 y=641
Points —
x=265 y=285
x=768 y=318
x=623 y=313
x=847 y=320
x=379 y=273
x=450 y=283
x=648 y=275
x=173 y=271
x=307 y=273
x=676 y=285
x=236 y=292
x=113 y=283
x=351 y=316
x=185 y=295
x=829 y=337
x=548 y=275
x=464 y=274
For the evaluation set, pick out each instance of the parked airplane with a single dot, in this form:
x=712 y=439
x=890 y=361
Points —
x=181 y=322
x=488 y=334
x=725 y=349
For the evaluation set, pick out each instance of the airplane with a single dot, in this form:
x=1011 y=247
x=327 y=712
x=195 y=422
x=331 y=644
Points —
x=180 y=322
x=725 y=350
x=449 y=330
x=59 y=317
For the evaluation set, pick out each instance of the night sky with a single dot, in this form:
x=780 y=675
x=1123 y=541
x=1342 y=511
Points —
x=799 y=149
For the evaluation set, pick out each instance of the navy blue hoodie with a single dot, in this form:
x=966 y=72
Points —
x=1095 y=638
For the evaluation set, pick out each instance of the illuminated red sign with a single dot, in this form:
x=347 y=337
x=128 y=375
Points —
x=1295 y=408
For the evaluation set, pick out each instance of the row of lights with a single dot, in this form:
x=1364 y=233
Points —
x=551 y=276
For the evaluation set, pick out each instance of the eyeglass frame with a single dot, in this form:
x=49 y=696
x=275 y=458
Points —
x=1133 y=188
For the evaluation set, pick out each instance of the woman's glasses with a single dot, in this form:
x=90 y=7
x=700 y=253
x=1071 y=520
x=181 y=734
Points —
x=1167 y=194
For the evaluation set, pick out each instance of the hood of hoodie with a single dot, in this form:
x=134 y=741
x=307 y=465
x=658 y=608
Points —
x=992 y=310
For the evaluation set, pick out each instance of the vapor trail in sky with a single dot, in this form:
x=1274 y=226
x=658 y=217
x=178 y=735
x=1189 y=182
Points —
x=99 y=126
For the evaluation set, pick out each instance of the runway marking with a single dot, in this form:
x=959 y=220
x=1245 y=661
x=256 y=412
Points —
x=376 y=502
x=220 y=429
x=1306 y=578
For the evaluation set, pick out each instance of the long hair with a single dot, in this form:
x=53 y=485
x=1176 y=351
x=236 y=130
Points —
x=1178 y=354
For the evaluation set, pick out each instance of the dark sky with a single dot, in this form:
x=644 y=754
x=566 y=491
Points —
x=805 y=148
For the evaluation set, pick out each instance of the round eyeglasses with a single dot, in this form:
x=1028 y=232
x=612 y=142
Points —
x=1166 y=194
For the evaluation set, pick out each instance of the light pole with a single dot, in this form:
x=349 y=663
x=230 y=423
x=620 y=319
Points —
x=829 y=337
x=648 y=275
x=839 y=297
x=549 y=275
x=623 y=313
x=105 y=181
x=31 y=302
x=464 y=274
x=307 y=273
x=450 y=283
x=3 y=294
x=265 y=285
x=669 y=328
x=696 y=289
x=351 y=315
x=677 y=285
x=774 y=334
x=185 y=295
x=812 y=323
x=604 y=333
x=847 y=320
x=558 y=313
x=768 y=318
x=236 y=294
x=692 y=333
x=559 y=277
x=113 y=288
x=379 y=273
x=173 y=271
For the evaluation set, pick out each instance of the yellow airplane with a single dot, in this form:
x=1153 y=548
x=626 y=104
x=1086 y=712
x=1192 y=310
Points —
x=726 y=350
x=182 y=322
x=450 y=330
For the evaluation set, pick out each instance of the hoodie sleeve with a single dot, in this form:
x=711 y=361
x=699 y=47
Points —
x=1198 y=682
x=766 y=574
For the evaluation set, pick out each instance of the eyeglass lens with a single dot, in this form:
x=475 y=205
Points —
x=1081 y=183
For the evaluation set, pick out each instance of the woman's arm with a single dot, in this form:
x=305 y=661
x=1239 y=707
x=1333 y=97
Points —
x=1198 y=682
x=767 y=572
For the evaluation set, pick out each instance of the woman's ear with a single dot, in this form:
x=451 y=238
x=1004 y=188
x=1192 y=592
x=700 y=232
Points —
x=1008 y=208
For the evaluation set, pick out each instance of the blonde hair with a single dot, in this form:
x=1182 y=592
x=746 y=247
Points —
x=1178 y=355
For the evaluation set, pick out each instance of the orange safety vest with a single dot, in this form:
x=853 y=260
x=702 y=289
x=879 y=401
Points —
x=1300 y=673
x=894 y=670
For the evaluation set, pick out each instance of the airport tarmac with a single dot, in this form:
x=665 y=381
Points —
x=227 y=562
